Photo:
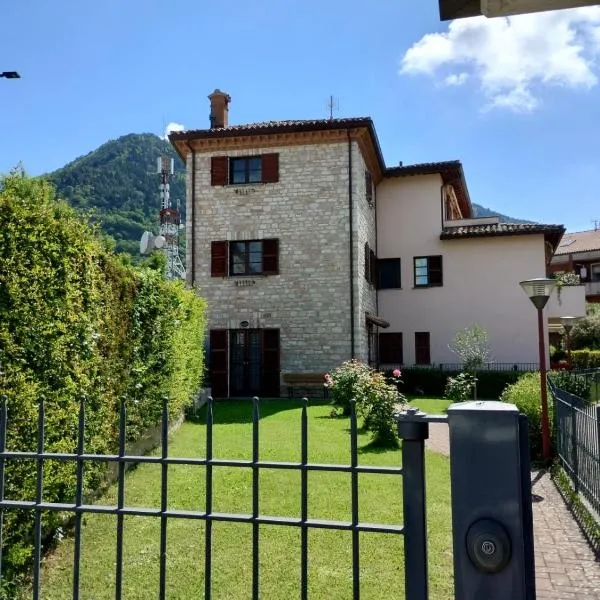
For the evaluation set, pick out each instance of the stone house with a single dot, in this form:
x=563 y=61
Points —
x=309 y=251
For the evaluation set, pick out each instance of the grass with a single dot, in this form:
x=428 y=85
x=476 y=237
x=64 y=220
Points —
x=330 y=552
x=432 y=406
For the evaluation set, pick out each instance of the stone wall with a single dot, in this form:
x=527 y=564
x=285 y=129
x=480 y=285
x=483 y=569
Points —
x=307 y=210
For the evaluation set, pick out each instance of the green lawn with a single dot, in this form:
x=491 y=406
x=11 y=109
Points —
x=432 y=406
x=380 y=498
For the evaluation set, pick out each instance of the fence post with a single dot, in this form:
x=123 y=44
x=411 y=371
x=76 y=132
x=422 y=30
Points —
x=574 y=454
x=491 y=502
x=598 y=427
x=413 y=430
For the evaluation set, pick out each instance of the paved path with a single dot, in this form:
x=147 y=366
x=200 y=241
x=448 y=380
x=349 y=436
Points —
x=566 y=568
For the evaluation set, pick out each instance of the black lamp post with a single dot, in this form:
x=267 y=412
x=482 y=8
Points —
x=539 y=291
x=10 y=74
x=567 y=323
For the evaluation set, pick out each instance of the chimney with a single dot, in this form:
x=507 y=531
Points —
x=219 y=109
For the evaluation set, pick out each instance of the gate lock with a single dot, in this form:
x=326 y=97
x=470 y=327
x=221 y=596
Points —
x=488 y=546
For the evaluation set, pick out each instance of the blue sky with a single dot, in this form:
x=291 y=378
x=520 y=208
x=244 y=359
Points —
x=517 y=101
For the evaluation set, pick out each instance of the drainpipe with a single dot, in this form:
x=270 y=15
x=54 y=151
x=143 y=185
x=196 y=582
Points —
x=351 y=278
x=192 y=203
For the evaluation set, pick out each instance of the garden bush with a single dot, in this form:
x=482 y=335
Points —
x=525 y=394
x=578 y=385
x=376 y=398
x=75 y=320
x=460 y=388
x=430 y=381
x=585 y=359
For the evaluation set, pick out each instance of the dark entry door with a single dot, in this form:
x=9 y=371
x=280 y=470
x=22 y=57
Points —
x=245 y=362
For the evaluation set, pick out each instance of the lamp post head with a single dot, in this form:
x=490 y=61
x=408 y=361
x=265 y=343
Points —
x=538 y=290
x=10 y=74
x=568 y=322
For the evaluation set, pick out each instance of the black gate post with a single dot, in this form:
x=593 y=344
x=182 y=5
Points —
x=413 y=430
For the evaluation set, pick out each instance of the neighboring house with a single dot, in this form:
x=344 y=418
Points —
x=310 y=251
x=579 y=252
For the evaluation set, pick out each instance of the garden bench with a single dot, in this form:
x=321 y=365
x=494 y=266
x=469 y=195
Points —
x=308 y=382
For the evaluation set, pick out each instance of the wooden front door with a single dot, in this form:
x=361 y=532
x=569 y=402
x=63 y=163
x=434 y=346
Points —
x=244 y=363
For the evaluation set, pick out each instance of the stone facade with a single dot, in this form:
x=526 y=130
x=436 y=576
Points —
x=308 y=211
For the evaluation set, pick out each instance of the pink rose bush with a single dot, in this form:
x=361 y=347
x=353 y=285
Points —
x=376 y=398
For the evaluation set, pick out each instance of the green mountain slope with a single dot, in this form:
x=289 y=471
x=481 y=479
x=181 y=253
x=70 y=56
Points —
x=481 y=211
x=117 y=186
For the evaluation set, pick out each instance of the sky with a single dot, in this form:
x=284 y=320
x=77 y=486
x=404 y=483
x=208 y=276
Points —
x=517 y=100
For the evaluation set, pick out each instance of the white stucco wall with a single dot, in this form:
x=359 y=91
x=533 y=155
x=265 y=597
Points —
x=480 y=277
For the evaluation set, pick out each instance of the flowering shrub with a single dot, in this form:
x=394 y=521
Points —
x=376 y=398
x=460 y=388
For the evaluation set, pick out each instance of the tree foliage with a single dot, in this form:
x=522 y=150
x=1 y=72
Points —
x=472 y=345
x=586 y=332
x=116 y=186
x=76 y=320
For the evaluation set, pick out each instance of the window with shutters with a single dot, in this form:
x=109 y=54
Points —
x=247 y=258
x=388 y=273
x=428 y=271
x=372 y=268
x=390 y=348
x=367 y=262
x=422 y=348
x=263 y=168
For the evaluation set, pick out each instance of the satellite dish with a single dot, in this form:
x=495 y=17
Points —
x=160 y=241
x=146 y=243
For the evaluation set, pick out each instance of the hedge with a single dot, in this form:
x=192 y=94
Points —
x=585 y=359
x=76 y=320
x=432 y=382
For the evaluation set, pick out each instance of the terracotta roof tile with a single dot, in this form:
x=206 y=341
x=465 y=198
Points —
x=579 y=241
x=552 y=233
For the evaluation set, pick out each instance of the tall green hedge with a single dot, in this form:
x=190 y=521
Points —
x=75 y=320
x=585 y=359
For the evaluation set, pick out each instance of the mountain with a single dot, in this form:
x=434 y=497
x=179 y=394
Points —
x=481 y=211
x=117 y=185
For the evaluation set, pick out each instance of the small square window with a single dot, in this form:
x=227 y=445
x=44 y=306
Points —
x=388 y=271
x=428 y=271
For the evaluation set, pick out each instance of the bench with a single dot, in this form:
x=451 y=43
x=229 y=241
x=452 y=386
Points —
x=308 y=382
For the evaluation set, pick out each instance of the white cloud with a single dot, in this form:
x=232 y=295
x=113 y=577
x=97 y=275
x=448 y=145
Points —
x=172 y=127
x=456 y=78
x=512 y=58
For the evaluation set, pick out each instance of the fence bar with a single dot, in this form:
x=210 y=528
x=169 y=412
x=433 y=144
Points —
x=354 y=499
x=164 y=437
x=255 y=498
x=413 y=434
x=3 y=426
x=304 y=503
x=120 y=501
x=209 y=498
x=37 y=540
x=79 y=499
x=574 y=450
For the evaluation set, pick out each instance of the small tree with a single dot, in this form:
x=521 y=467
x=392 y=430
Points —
x=472 y=345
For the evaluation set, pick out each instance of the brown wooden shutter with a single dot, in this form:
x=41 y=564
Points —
x=270 y=168
x=219 y=165
x=391 y=349
x=271 y=257
x=368 y=187
x=219 y=377
x=367 y=262
x=270 y=363
x=422 y=348
x=434 y=267
x=372 y=267
x=218 y=259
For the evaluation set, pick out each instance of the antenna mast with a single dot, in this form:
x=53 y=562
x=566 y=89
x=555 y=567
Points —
x=332 y=104
x=169 y=221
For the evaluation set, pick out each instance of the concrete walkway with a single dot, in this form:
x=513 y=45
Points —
x=566 y=567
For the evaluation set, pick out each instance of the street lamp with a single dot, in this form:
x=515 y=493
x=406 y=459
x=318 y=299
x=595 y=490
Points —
x=567 y=323
x=539 y=291
x=10 y=74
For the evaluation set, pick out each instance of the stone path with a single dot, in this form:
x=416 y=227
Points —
x=566 y=567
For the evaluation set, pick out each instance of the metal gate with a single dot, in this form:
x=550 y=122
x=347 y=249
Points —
x=491 y=500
